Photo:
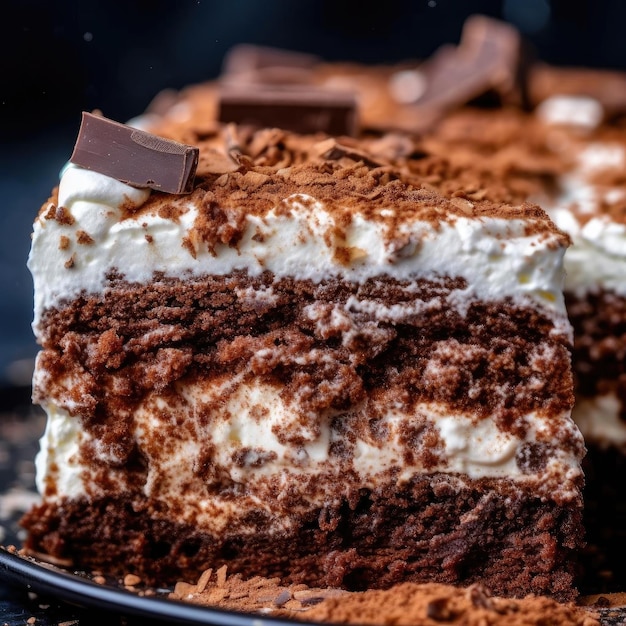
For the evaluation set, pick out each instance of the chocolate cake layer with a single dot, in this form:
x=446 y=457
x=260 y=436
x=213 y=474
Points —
x=344 y=416
x=599 y=321
x=436 y=528
x=379 y=334
x=341 y=356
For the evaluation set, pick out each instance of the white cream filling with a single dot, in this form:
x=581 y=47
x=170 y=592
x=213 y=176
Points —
x=600 y=422
x=250 y=417
x=58 y=458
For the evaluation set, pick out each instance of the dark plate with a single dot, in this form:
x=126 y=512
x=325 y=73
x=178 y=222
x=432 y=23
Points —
x=79 y=590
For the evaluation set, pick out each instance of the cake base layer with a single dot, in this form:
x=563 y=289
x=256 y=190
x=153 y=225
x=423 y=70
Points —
x=438 y=528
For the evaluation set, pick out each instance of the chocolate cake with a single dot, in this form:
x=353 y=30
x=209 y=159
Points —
x=314 y=366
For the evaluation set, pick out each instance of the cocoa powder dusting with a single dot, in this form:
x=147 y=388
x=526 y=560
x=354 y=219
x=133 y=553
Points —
x=406 y=604
x=415 y=605
x=348 y=176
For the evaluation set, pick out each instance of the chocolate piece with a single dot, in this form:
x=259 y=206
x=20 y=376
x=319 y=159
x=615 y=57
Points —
x=487 y=59
x=134 y=156
x=303 y=110
x=248 y=63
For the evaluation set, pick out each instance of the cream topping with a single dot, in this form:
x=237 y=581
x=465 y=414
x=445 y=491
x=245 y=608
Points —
x=496 y=256
x=579 y=111
x=597 y=258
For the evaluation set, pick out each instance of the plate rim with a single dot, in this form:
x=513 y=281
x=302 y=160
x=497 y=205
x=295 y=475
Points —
x=80 y=591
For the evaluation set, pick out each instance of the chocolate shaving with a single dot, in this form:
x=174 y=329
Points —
x=303 y=110
x=233 y=147
x=439 y=610
x=282 y=598
x=311 y=601
x=480 y=597
x=332 y=150
x=134 y=156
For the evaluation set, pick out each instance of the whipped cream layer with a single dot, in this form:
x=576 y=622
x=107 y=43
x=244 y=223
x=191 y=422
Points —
x=597 y=258
x=244 y=434
x=97 y=232
x=580 y=112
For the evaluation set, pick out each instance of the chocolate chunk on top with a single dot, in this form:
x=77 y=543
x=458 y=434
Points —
x=489 y=58
x=134 y=156
x=304 y=110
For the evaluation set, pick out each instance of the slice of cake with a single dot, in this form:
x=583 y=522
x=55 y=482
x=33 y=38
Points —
x=312 y=366
x=566 y=155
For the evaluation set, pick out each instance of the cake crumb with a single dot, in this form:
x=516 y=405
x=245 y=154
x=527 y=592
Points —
x=130 y=580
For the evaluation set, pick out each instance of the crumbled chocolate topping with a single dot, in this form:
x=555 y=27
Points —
x=347 y=175
x=83 y=238
x=63 y=216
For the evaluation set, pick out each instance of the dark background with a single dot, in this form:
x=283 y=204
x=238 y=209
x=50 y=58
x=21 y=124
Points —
x=59 y=58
